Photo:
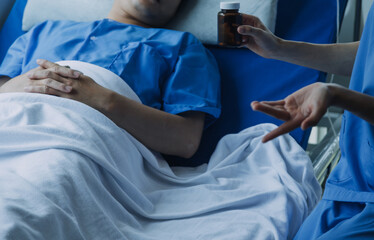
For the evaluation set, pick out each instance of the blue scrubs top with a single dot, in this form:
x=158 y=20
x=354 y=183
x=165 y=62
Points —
x=169 y=70
x=346 y=210
x=352 y=180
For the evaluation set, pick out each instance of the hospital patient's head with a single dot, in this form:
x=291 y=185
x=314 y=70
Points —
x=154 y=13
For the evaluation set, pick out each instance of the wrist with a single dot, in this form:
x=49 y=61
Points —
x=105 y=103
x=281 y=49
x=335 y=93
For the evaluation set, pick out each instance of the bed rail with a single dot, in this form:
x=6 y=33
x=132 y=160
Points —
x=326 y=154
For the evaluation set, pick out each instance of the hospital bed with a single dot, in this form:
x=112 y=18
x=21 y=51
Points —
x=247 y=77
x=244 y=73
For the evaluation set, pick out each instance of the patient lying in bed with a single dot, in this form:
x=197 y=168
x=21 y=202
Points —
x=91 y=168
x=169 y=71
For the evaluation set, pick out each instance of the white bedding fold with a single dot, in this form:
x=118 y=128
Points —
x=68 y=172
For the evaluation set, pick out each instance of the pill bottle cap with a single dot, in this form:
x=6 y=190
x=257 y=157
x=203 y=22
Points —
x=230 y=5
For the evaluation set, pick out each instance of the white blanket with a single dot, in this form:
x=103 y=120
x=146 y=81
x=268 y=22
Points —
x=68 y=172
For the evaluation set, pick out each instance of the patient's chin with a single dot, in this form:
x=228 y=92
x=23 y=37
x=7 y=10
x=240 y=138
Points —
x=155 y=21
x=152 y=13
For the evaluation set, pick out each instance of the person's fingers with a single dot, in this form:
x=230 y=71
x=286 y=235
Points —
x=44 y=89
x=253 y=21
x=282 y=129
x=275 y=111
x=46 y=73
x=62 y=71
x=51 y=83
x=274 y=103
x=250 y=20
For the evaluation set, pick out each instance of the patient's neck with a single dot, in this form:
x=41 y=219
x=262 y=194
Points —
x=123 y=17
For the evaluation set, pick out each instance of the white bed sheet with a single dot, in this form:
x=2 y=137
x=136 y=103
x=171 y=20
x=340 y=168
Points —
x=68 y=172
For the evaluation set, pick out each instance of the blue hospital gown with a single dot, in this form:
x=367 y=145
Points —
x=169 y=70
x=346 y=210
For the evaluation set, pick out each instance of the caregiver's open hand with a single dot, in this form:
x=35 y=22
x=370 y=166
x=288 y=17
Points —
x=304 y=108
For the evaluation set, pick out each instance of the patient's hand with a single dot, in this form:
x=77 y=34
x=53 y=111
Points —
x=257 y=37
x=304 y=109
x=81 y=88
x=51 y=80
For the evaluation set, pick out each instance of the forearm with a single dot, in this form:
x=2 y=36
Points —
x=360 y=104
x=331 y=58
x=166 y=133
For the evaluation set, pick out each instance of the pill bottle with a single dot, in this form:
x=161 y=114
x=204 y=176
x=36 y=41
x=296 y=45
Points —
x=229 y=19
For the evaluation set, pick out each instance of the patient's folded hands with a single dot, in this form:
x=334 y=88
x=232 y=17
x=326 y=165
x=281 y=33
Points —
x=304 y=108
x=51 y=79
x=64 y=82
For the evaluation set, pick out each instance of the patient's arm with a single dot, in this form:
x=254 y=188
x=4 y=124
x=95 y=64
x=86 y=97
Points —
x=332 y=58
x=305 y=107
x=170 y=134
x=167 y=133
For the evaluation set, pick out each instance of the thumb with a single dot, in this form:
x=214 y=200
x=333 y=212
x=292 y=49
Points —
x=311 y=120
x=248 y=30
